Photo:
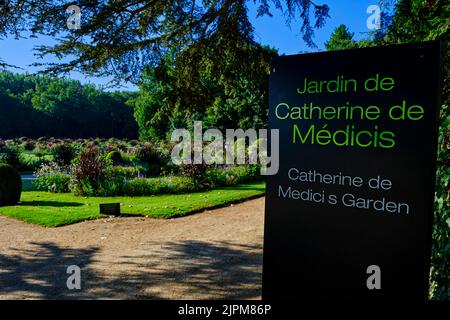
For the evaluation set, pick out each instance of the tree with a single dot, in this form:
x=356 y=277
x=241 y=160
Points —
x=155 y=97
x=61 y=108
x=120 y=38
x=340 y=39
x=228 y=95
x=416 y=21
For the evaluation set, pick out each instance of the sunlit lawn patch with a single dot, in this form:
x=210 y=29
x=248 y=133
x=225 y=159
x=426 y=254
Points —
x=52 y=210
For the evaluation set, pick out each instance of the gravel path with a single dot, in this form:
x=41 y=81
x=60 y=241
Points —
x=212 y=255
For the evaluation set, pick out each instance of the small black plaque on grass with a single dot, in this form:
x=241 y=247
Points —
x=111 y=209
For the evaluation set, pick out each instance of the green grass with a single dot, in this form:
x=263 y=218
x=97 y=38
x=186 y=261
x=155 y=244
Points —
x=53 y=210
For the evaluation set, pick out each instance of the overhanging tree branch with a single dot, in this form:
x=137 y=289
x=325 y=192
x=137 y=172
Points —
x=133 y=35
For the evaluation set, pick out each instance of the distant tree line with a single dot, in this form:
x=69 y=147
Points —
x=37 y=106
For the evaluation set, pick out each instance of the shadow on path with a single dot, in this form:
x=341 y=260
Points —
x=158 y=270
x=40 y=271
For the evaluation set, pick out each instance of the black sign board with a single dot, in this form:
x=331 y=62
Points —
x=349 y=213
x=111 y=209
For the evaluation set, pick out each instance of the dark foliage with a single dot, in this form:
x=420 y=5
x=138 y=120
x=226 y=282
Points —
x=10 y=156
x=149 y=153
x=115 y=157
x=120 y=38
x=197 y=172
x=61 y=108
x=64 y=154
x=10 y=185
x=89 y=172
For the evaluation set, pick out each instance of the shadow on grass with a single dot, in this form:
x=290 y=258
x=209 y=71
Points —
x=50 y=204
x=157 y=270
x=245 y=187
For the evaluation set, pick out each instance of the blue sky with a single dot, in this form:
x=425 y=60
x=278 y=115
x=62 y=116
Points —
x=271 y=31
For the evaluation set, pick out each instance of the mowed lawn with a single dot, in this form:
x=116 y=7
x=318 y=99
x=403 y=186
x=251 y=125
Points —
x=53 y=210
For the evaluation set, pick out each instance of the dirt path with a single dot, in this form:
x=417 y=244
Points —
x=212 y=255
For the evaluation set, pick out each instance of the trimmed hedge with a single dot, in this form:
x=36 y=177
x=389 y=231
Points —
x=10 y=185
x=115 y=157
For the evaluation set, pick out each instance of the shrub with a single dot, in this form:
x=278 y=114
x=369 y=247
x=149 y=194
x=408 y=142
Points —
x=196 y=172
x=115 y=157
x=111 y=146
x=134 y=143
x=440 y=253
x=2 y=146
x=153 y=170
x=123 y=172
x=51 y=177
x=180 y=184
x=218 y=177
x=140 y=187
x=170 y=169
x=41 y=150
x=109 y=188
x=152 y=157
x=30 y=162
x=28 y=145
x=10 y=185
x=10 y=156
x=89 y=172
x=252 y=172
x=148 y=153
x=154 y=186
x=63 y=154
x=56 y=182
x=232 y=175
x=127 y=158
